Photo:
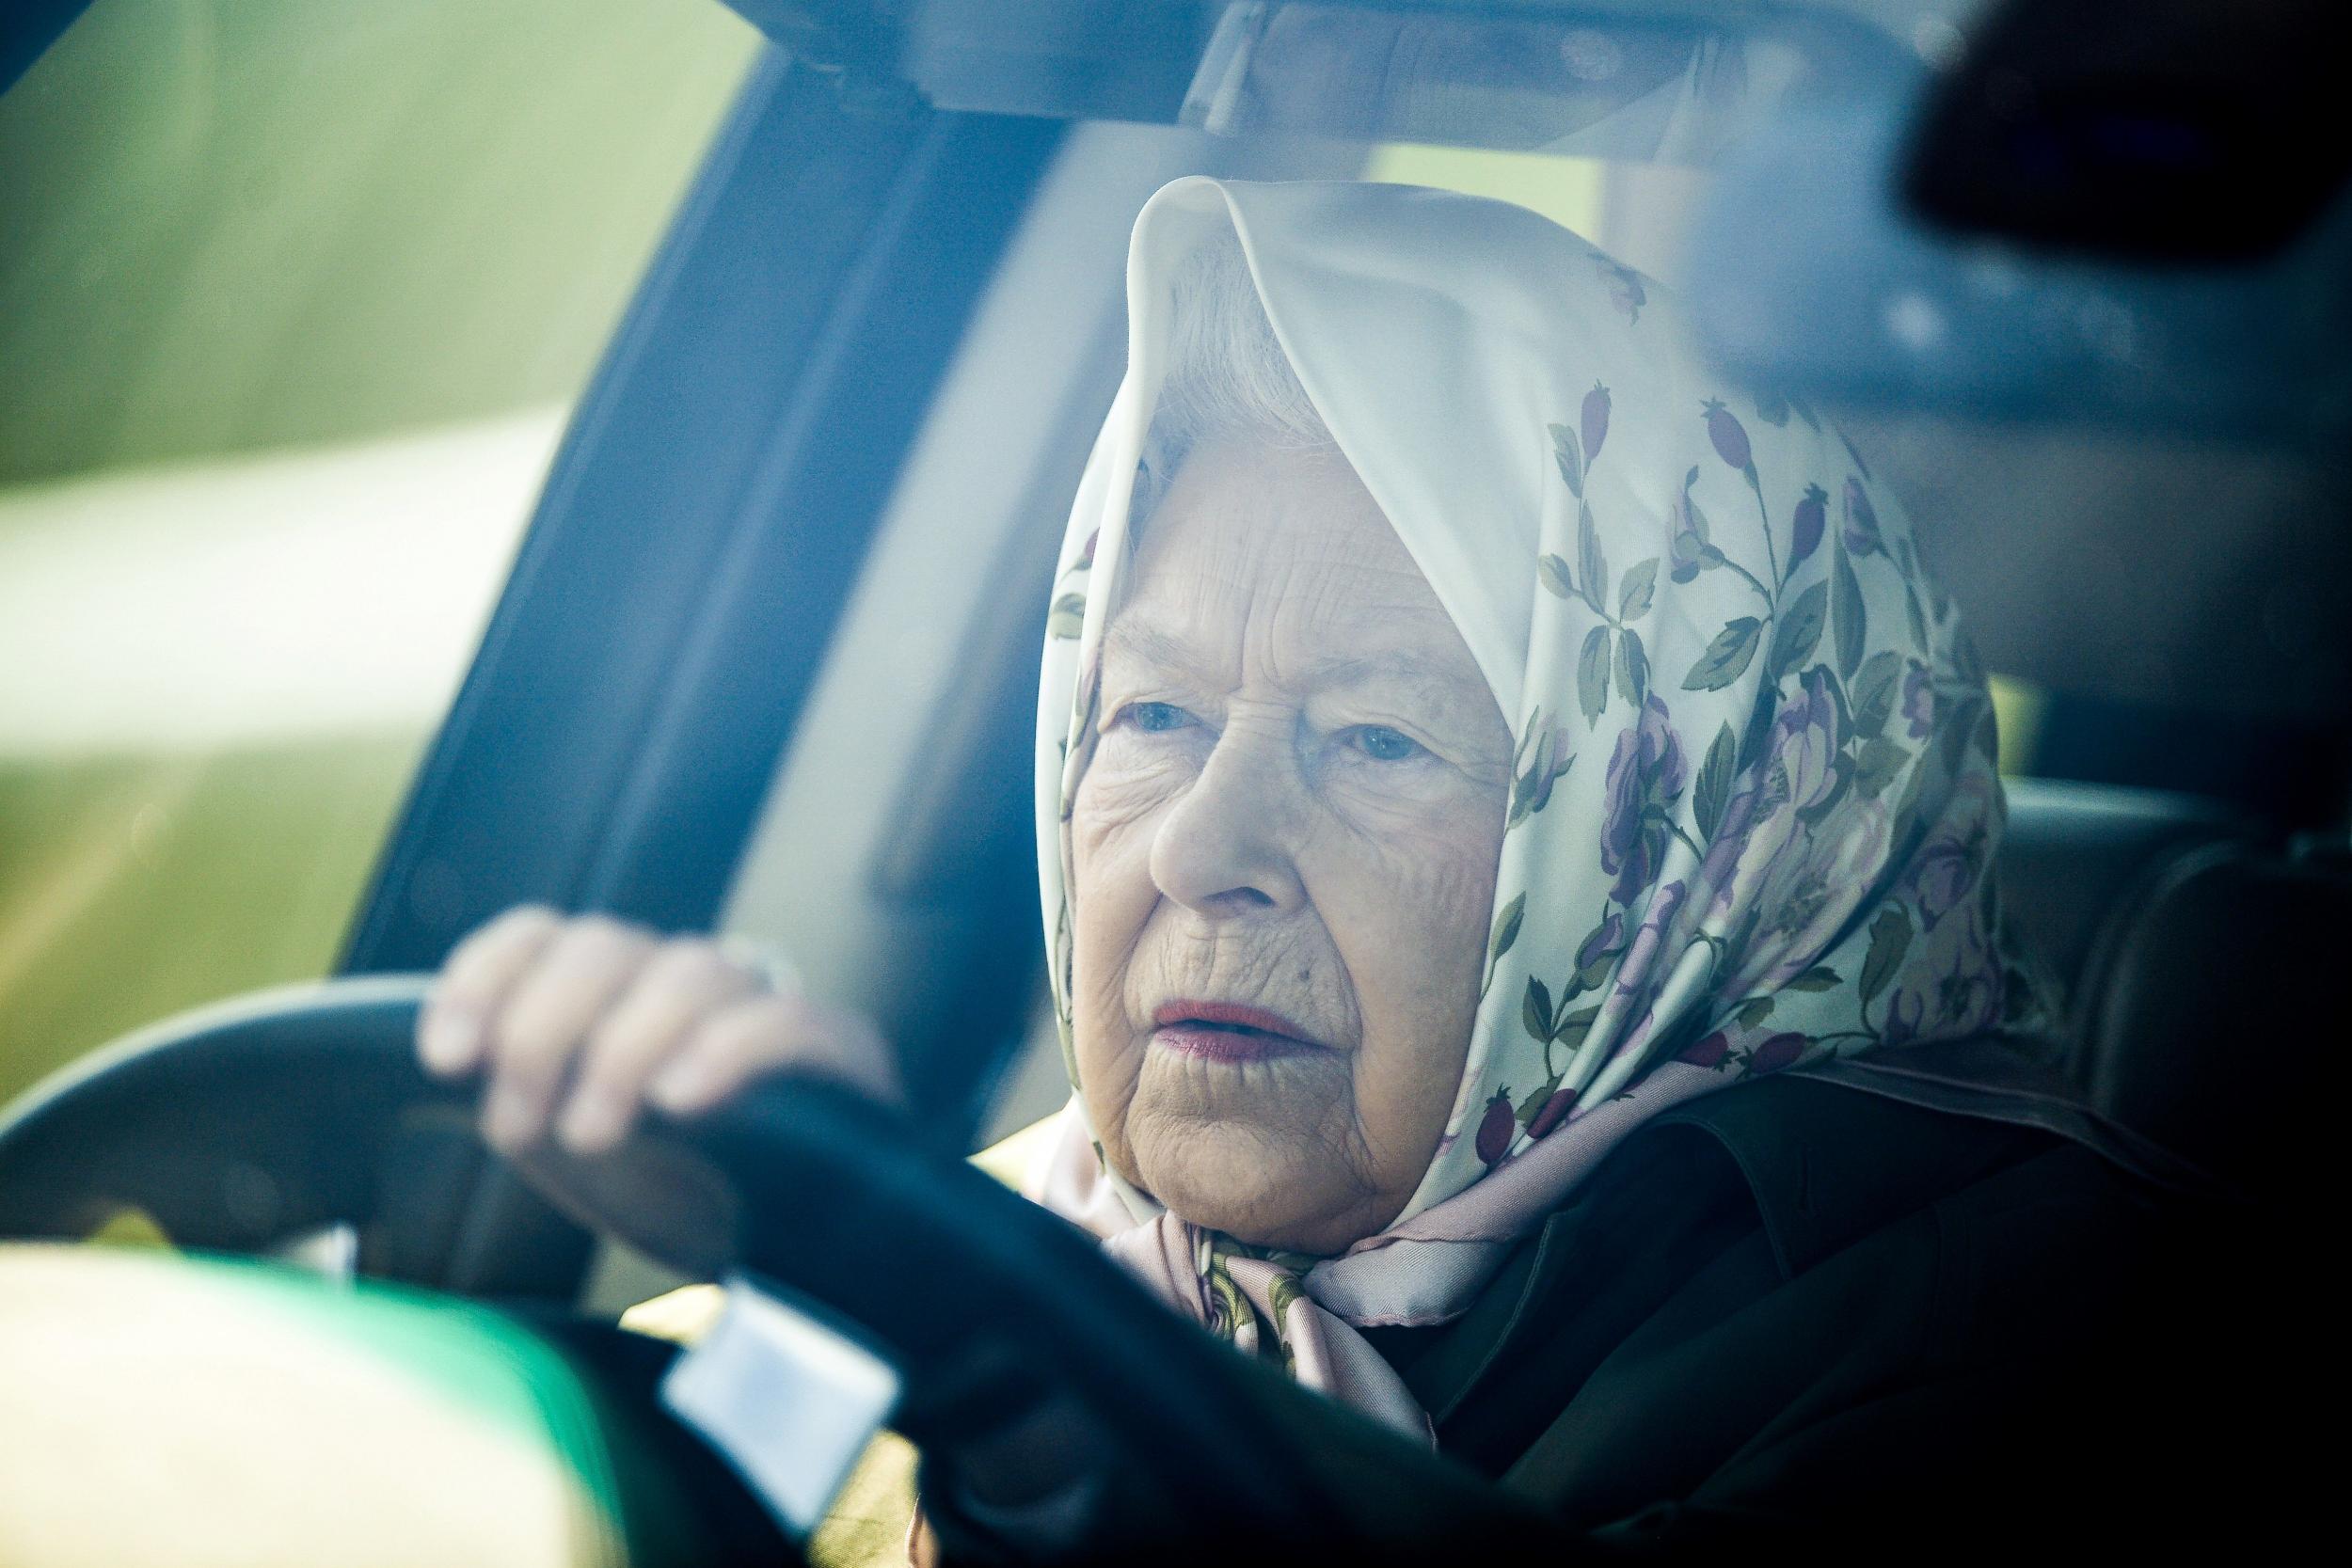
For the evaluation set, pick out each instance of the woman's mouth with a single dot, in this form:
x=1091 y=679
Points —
x=1227 y=1032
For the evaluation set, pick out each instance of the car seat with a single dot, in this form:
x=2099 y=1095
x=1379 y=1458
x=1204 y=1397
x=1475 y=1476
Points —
x=2193 y=951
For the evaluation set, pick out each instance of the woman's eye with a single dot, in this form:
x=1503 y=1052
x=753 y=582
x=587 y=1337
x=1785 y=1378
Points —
x=1155 y=718
x=1383 y=744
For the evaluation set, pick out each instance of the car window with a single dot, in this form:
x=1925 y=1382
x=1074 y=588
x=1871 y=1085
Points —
x=1638 y=212
x=293 y=300
x=893 y=858
x=929 y=689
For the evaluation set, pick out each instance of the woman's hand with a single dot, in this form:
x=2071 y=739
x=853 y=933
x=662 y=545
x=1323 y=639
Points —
x=578 y=1022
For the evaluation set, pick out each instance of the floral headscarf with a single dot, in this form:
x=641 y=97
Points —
x=1754 y=810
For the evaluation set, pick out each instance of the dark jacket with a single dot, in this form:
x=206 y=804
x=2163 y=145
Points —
x=1805 y=1310
x=1807 y=1307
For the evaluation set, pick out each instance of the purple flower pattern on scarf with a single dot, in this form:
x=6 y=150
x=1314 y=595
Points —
x=1918 y=702
x=1646 y=779
x=1778 y=851
x=1791 y=890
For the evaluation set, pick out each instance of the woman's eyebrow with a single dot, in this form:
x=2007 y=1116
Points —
x=1442 y=689
x=1356 y=669
x=1445 y=691
x=1128 y=638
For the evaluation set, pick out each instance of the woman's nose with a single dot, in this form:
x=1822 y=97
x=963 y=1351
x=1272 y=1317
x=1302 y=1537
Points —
x=1226 y=847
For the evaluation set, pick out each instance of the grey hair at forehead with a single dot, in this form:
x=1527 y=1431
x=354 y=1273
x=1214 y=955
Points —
x=1228 y=376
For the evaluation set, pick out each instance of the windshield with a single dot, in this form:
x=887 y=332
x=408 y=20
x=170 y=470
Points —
x=294 y=303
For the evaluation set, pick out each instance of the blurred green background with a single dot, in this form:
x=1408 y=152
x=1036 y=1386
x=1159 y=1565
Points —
x=292 y=298
x=294 y=301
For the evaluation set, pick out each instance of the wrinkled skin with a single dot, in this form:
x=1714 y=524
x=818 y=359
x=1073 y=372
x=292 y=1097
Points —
x=1297 y=803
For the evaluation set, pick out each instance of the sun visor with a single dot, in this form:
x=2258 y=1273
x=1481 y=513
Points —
x=1635 y=87
x=1811 y=267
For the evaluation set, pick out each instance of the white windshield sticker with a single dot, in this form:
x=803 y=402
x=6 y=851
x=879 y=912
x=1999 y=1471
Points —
x=790 y=1402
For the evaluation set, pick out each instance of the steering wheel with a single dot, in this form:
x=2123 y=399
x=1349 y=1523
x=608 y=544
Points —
x=241 y=1126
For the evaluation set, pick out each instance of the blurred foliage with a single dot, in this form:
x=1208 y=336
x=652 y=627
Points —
x=132 y=886
x=245 y=226
x=242 y=224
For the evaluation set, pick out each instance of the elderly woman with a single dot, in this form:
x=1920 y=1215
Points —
x=1517 y=828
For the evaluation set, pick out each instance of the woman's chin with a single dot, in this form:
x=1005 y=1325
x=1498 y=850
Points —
x=1259 y=1187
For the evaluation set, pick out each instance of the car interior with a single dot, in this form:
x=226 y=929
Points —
x=2070 y=274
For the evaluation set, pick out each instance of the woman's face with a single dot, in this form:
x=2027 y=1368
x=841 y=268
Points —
x=1284 y=856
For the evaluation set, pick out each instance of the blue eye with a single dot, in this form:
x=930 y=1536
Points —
x=1383 y=744
x=1155 y=718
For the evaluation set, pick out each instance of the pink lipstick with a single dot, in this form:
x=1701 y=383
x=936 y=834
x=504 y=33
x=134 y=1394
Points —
x=1227 y=1032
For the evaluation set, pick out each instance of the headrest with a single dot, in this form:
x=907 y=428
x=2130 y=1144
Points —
x=2074 y=849
x=2208 y=1013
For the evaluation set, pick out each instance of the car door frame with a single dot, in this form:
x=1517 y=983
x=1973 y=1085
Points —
x=705 y=517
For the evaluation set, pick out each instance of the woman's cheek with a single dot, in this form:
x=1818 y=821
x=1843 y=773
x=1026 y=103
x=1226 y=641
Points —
x=1112 y=898
x=1423 y=800
x=1409 y=924
x=1101 y=1038
x=1130 y=778
x=1404 y=871
x=1442 y=835
x=1406 y=907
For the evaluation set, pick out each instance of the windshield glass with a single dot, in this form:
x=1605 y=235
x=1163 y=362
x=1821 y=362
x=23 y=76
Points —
x=295 y=301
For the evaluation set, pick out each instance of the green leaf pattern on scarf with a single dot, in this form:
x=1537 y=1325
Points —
x=1753 y=810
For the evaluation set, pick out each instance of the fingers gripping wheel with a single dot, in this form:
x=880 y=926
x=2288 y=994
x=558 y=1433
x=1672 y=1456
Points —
x=247 y=1126
x=239 y=1128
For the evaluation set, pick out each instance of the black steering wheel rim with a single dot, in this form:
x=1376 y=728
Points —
x=239 y=1125
x=243 y=1125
